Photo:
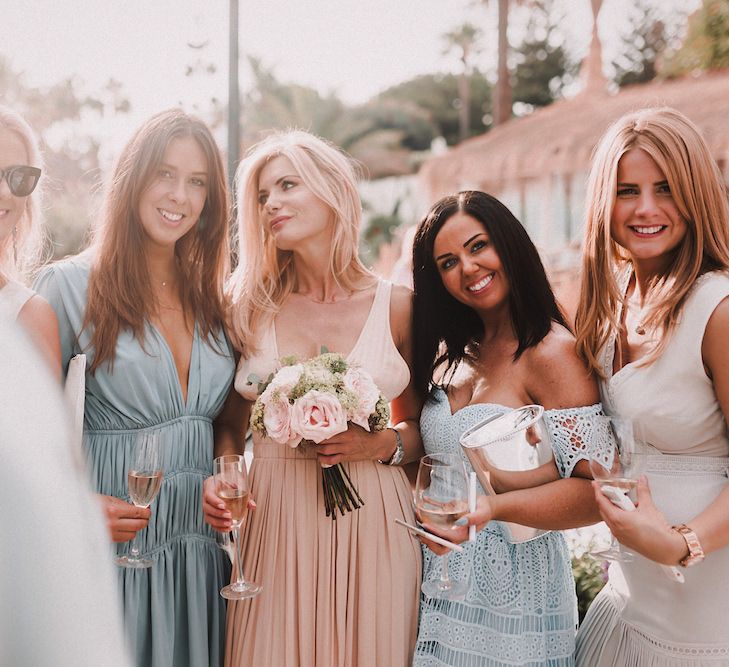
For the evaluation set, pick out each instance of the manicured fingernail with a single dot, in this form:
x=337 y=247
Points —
x=463 y=521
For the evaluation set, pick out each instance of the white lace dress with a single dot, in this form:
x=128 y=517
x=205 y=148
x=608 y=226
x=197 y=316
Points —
x=520 y=607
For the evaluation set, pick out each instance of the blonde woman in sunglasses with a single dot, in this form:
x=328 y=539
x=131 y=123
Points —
x=20 y=235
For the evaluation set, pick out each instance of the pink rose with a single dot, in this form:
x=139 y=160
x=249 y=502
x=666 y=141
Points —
x=277 y=420
x=361 y=384
x=317 y=416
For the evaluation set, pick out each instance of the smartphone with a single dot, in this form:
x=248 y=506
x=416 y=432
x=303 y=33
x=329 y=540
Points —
x=430 y=536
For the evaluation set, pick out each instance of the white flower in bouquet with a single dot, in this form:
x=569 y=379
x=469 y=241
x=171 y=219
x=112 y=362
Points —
x=360 y=383
x=286 y=379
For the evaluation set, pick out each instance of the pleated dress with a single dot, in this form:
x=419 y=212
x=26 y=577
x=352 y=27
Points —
x=174 y=615
x=338 y=593
x=641 y=618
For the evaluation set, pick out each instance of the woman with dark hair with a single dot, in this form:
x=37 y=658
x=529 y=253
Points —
x=489 y=337
x=145 y=303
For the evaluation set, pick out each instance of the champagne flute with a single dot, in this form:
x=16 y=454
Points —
x=225 y=544
x=231 y=485
x=144 y=480
x=441 y=498
x=617 y=459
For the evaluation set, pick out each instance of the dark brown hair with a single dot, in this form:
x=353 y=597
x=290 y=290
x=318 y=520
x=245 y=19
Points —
x=446 y=330
x=119 y=296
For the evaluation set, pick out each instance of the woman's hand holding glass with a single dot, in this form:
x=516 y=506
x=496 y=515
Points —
x=123 y=520
x=617 y=460
x=144 y=480
x=230 y=480
x=441 y=499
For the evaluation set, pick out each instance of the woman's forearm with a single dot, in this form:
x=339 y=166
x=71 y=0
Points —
x=558 y=505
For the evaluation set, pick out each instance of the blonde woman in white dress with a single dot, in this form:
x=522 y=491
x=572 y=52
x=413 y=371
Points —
x=338 y=593
x=20 y=236
x=653 y=322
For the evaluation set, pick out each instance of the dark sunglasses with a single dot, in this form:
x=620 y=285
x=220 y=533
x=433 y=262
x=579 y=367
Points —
x=21 y=179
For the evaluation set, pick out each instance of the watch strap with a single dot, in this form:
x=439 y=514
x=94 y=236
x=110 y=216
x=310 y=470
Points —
x=399 y=454
x=696 y=553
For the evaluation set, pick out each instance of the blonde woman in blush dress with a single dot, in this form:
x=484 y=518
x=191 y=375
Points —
x=335 y=593
x=653 y=322
x=20 y=234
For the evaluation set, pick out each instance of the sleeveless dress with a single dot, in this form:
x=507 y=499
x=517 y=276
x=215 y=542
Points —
x=520 y=607
x=640 y=617
x=338 y=593
x=13 y=296
x=173 y=612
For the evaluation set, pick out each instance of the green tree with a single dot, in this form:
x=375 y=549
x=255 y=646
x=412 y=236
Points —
x=543 y=66
x=380 y=134
x=437 y=95
x=706 y=46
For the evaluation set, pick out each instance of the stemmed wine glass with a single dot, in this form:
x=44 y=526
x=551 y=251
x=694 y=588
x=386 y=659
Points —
x=231 y=485
x=441 y=498
x=617 y=459
x=144 y=480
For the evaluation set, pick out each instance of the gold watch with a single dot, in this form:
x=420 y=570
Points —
x=696 y=553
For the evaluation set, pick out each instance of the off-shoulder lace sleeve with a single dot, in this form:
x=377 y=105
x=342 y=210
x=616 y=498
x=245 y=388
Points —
x=571 y=430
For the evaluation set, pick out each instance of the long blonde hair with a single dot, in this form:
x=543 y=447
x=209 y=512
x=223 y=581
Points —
x=119 y=297
x=265 y=275
x=21 y=252
x=681 y=153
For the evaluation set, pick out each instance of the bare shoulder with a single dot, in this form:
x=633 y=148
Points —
x=39 y=319
x=715 y=336
x=401 y=306
x=556 y=376
x=37 y=312
x=719 y=321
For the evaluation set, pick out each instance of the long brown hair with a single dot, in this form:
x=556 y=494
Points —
x=119 y=296
x=681 y=153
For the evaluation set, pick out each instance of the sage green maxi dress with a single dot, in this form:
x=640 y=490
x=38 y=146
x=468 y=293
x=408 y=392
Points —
x=174 y=615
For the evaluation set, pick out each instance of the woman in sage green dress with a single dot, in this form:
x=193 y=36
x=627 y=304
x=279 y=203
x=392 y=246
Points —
x=145 y=304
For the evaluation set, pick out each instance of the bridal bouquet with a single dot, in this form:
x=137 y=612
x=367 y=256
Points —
x=314 y=400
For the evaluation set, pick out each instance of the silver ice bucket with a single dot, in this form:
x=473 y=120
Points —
x=511 y=442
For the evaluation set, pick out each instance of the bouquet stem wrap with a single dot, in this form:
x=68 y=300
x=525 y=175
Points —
x=339 y=492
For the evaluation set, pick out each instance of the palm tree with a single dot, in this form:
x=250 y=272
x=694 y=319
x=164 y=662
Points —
x=464 y=40
x=502 y=92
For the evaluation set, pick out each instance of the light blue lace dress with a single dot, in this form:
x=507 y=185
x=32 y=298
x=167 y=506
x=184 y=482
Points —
x=173 y=611
x=520 y=607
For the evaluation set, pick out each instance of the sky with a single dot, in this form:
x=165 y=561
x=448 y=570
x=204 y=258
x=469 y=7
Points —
x=355 y=48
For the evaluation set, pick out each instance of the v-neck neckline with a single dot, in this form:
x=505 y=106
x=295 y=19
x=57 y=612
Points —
x=348 y=357
x=184 y=396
